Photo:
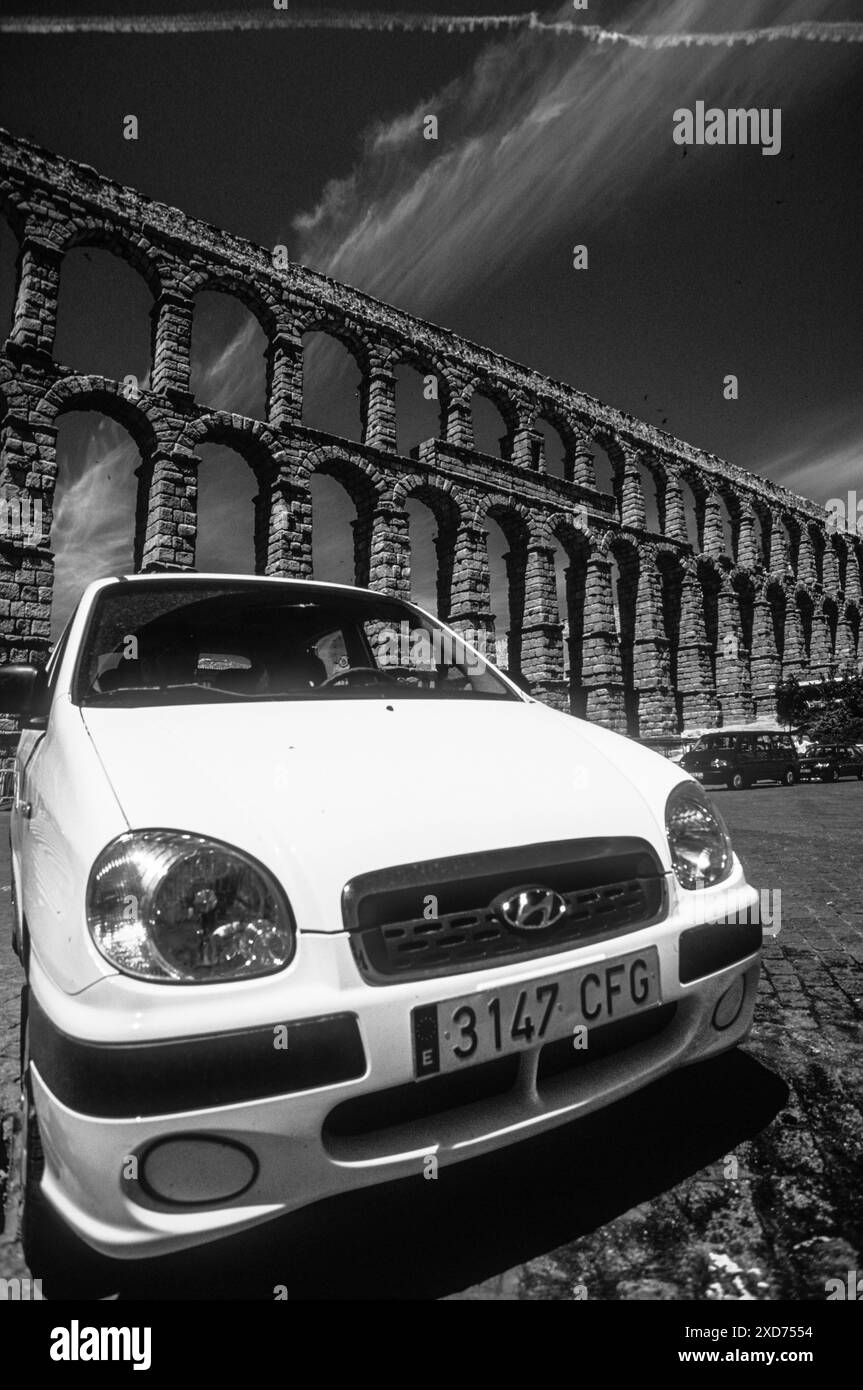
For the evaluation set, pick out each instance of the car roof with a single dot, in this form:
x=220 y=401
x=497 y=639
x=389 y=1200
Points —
x=194 y=576
x=746 y=729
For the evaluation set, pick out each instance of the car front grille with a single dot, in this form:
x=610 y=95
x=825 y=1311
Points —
x=415 y=921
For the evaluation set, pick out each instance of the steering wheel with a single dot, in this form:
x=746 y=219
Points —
x=367 y=674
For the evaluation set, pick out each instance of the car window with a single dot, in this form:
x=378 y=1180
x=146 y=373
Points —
x=158 y=642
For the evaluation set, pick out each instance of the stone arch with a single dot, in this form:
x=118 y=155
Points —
x=321 y=333
x=609 y=462
x=488 y=389
x=427 y=362
x=513 y=521
x=260 y=449
x=359 y=343
x=88 y=542
x=547 y=412
x=447 y=508
x=102 y=314
x=129 y=246
x=569 y=535
x=414 y=364
x=804 y=603
x=830 y=611
x=711 y=577
x=145 y=421
x=251 y=439
x=254 y=293
x=366 y=486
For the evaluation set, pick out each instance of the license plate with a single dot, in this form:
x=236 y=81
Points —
x=699 y=776
x=492 y=1023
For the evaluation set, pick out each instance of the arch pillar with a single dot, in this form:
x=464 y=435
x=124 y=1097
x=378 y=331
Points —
x=390 y=552
x=542 y=630
x=793 y=647
x=166 y=526
x=601 y=660
x=852 y=575
x=459 y=423
x=171 y=319
x=584 y=464
x=696 y=684
x=528 y=448
x=674 y=521
x=806 y=571
x=820 y=646
x=748 y=556
x=632 y=507
x=831 y=568
x=26 y=560
x=764 y=663
x=846 y=655
x=470 y=611
x=34 y=324
x=733 y=685
x=778 y=547
x=289 y=530
x=284 y=379
x=651 y=660
x=378 y=408
x=713 y=535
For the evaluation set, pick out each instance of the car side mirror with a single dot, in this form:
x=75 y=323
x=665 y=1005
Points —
x=24 y=692
x=521 y=681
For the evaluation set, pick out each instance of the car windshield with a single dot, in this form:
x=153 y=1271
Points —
x=155 y=642
x=713 y=742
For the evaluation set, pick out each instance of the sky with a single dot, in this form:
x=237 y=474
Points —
x=703 y=261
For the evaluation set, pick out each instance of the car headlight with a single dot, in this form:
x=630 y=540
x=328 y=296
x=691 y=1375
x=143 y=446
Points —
x=164 y=905
x=700 y=844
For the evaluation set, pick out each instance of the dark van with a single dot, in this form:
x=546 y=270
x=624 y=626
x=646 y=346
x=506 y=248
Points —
x=736 y=758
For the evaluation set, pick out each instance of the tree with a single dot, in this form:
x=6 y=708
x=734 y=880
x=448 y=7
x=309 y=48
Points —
x=792 y=703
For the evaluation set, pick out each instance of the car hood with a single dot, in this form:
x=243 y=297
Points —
x=321 y=791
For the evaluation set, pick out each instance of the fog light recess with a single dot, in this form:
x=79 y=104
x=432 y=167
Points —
x=727 y=1011
x=194 y=1170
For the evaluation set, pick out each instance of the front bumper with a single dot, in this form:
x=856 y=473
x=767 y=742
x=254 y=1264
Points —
x=335 y=1107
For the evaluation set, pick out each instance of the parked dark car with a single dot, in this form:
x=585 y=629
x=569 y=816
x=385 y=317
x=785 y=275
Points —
x=736 y=758
x=830 y=761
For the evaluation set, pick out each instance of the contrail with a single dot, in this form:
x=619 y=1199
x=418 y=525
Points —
x=815 y=31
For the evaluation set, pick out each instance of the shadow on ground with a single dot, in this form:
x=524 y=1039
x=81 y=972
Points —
x=425 y=1239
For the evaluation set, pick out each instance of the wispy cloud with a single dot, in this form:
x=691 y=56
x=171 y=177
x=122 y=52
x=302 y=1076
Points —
x=94 y=516
x=535 y=137
x=822 y=458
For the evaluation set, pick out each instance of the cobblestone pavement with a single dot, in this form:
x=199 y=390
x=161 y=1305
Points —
x=741 y=1177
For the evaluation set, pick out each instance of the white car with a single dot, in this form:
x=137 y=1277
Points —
x=306 y=893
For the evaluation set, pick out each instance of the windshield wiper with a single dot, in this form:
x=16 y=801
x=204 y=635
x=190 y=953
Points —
x=96 y=697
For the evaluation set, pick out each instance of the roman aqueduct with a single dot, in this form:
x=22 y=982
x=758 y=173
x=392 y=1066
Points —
x=687 y=632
